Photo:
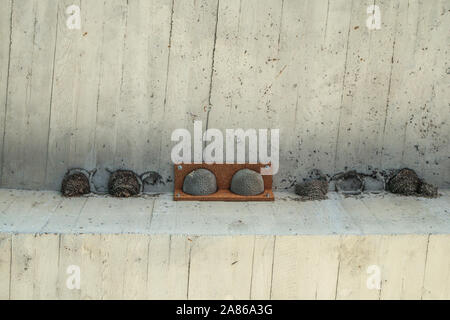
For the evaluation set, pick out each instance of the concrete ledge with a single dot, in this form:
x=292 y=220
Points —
x=48 y=212
x=154 y=248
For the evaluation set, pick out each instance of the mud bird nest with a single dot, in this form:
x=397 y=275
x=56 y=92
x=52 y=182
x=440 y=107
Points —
x=124 y=184
x=316 y=188
x=428 y=190
x=312 y=190
x=75 y=184
x=349 y=183
x=406 y=182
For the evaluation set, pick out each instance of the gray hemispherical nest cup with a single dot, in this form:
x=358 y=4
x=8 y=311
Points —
x=247 y=182
x=200 y=182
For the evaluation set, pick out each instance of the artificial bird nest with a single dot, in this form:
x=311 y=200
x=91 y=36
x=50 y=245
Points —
x=124 y=184
x=75 y=183
x=246 y=182
x=200 y=182
x=405 y=182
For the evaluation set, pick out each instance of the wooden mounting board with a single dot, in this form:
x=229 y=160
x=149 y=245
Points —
x=224 y=173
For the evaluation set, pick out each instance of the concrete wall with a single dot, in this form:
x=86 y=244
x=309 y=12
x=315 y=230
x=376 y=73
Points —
x=110 y=94
x=224 y=267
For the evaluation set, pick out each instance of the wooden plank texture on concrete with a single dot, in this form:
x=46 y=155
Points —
x=110 y=94
x=122 y=266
